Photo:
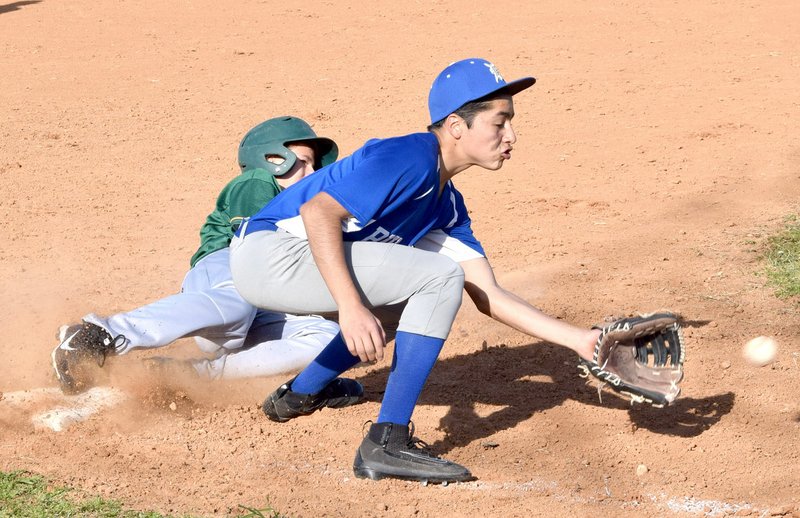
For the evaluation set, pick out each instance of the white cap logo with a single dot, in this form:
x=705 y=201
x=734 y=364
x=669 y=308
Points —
x=496 y=73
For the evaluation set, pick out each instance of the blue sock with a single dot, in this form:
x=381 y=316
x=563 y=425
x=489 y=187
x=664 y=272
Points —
x=334 y=359
x=414 y=358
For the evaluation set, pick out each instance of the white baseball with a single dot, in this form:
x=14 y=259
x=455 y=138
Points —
x=760 y=351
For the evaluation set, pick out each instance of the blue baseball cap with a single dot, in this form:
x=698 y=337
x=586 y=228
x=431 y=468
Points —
x=465 y=81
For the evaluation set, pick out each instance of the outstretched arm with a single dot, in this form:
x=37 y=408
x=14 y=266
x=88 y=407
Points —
x=506 y=307
x=361 y=330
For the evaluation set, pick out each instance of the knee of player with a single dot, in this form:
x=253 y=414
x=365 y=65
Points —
x=325 y=328
x=457 y=275
x=450 y=274
x=238 y=312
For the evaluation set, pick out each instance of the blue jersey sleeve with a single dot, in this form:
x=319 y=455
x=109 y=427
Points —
x=452 y=235
x=459 y=225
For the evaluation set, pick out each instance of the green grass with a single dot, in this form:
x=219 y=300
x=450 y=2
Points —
x=783 y=259
x=26 y=495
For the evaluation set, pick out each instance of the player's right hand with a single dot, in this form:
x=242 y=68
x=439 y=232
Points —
x=363 y=333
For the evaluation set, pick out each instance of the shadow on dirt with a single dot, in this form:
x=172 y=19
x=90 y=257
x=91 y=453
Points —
x=525 y=380
x=687 y=417
x=15 y=6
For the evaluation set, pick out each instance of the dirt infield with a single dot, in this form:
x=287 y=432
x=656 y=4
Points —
x=656 y=152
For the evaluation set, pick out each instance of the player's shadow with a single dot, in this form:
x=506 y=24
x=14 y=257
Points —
x=499 y=387
x=15 y=6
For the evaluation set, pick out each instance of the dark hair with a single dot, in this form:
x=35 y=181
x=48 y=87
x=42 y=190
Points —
x=470 y=110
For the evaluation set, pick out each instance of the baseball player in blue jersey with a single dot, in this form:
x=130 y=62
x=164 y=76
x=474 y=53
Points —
x=383 y=237
x=242 y=340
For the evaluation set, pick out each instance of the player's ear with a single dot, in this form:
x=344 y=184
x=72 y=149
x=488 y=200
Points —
x=454 y=125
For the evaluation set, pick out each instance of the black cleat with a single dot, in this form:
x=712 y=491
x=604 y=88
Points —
x=390 y=450
x=79 y=344
x=284 y=404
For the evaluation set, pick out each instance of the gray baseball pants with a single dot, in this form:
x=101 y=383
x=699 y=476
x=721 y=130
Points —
x=275 y=270
x=244 y=341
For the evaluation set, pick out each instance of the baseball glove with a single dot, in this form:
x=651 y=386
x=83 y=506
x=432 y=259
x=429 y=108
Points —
x=639 y=357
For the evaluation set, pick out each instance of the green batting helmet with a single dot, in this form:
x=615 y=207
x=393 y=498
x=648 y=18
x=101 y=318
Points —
x=270 y=139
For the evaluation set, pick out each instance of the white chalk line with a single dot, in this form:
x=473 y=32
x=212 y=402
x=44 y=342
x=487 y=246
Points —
x=675 y=504
x=69 y=409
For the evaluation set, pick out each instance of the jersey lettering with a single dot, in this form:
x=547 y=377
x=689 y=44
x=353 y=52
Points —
x=381 y=235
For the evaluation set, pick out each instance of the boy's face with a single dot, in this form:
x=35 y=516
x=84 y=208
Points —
x=489 y=141
x=304 y=166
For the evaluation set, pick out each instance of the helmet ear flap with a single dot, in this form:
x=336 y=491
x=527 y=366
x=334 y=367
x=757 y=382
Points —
x=279 y=161
x=272 y=156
